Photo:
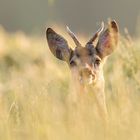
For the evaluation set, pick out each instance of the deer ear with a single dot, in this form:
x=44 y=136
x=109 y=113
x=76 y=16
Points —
x=108 y=40
x=58 y=45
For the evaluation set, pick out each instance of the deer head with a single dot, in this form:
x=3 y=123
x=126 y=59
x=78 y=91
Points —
x=86 y=62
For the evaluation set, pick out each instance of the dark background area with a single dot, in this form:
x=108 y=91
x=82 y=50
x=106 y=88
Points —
x=33 y=16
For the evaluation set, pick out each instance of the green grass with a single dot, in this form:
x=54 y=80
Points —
x=34 y=87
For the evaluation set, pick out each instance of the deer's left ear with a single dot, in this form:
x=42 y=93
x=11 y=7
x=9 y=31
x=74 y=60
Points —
x=108 y=40
x=58 y=45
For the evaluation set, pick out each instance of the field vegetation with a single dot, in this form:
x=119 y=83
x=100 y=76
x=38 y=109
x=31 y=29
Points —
x=34 y=87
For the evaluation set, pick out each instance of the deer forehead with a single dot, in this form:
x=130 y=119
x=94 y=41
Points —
x=84 y=55
x=84 y=52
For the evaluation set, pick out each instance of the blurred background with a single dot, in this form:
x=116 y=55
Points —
x=83 y=16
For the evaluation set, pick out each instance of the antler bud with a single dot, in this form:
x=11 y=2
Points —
x=73 y=37
x=96 y=35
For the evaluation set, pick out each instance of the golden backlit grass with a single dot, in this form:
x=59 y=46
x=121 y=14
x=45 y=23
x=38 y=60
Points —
x=34 y=87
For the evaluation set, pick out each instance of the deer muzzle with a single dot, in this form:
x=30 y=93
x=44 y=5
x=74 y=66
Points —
x=87 y=76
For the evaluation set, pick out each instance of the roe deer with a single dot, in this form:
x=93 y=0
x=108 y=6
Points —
x=86 y=63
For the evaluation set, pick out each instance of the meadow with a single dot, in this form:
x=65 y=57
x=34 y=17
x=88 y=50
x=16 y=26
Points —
x=34 y=86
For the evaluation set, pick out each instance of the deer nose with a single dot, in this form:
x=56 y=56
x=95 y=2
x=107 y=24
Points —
x=86 y=72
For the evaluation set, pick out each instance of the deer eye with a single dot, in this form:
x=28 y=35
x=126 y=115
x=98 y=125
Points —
x=78 y=55
x=72 y=63
x=97 y=62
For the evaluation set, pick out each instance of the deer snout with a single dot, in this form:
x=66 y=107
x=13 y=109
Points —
x=86 y=72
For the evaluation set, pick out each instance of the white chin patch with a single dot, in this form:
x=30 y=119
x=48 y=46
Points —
x=86 y=80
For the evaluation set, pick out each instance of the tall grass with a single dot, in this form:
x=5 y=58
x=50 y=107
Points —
x=34 y=87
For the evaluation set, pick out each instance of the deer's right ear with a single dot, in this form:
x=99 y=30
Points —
x=58 y=45
x=108 y=41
